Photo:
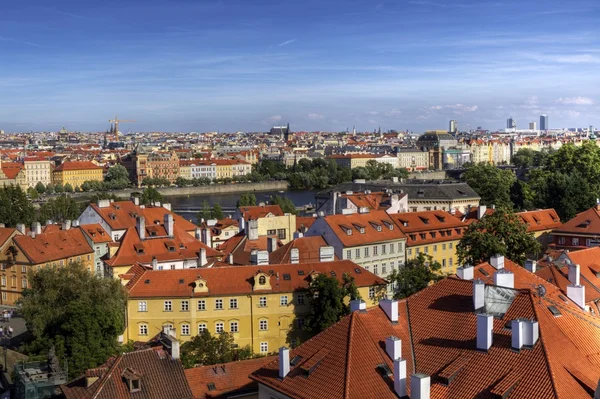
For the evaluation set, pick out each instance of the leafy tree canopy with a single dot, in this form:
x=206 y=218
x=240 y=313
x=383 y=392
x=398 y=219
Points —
x=60 y=209
x=247 y=199
x=15 y=207
x=80 y=314
x=491 y=183
x=499 y=233
x=40 y=188
x=117 y=173
x=286 y=204
x=151 y=195
x=206 y=349
x=416 y=275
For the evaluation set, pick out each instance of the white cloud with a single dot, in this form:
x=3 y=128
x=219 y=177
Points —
x=436 y=107
x=275 y=118
x=373 y=113
x=575 y=101
x=287 y=42
x=458 y=108
x=532 y=102
x=393 y=112
x=316 y=117
x=573 y=114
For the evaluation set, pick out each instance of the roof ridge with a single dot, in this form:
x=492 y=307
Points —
x=348 y=354
x=106 y=376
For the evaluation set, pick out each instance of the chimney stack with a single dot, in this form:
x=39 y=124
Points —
x=517 y=327
x=485 y=327
x=466 y=272
x=169 y=224
x=358 y=304
x=271 y=244
x=135 y=200
x=576 y=293
x=167 y=206
x=241 y=224
x=393 y=347
x=140 y=225
x=202 y=257
x=497 y=261
x=390 y=307
x=531 y=330
x=478 y=294
x=230 y=258
x=207 y=237
x=298 y=234
x=252 y=232
x=284 y=362
x=400 y=377
x=103 y=203
x=66 y=225
x=21 y=228
x=481 y=211
x=154 y=263
x=36 y=228
x=75 y=223
x=198 y=233
x=574 y=274
x=531 y=265
x=504 y=278
x=420 y=386
x=294 y=255
x=259 y=258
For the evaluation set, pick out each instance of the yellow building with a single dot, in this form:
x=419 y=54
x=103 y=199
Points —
x=56 y=246
x=262 y=306
x=353 y=160
x=268 y=220
x=76 y=173
x=434 y=233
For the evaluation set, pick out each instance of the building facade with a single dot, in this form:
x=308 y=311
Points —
x=76 y=173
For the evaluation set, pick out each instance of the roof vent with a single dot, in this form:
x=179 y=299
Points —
x=393 y=347
x=420 y=386
x=358 y=304
x=465 y=272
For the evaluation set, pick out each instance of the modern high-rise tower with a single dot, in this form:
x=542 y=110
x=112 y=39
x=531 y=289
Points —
x=544 y=122
x=511 y=123
x=453 y=128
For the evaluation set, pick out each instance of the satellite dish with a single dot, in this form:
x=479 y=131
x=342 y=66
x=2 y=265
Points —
x=541 y=290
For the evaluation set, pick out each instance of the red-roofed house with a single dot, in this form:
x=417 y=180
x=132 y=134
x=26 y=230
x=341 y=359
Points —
x=272 y=221
x=583 y=231
x=76 y=173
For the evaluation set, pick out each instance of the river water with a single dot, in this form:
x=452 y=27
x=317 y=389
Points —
x=188 y=205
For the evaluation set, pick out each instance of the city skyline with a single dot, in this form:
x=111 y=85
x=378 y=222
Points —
x=231 y=66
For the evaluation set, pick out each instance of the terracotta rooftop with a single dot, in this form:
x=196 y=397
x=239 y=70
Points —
x=54 y=245
x=96 y=233
x=540 y=220
x=260 y=211
x=429 y=226
x=76 y=165
x=363 y=228
x=584 y=223
x=308 y=250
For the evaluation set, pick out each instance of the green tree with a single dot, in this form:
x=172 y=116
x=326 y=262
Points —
x=40 y=188
x=286 y=204
x=80 y=314
x=524 y=158
x=151 y=195
x=58 y=188
x=522 y=196
x=68 y=188
x=117 y=173
x=205 y=212
x=50 y=188
x=247 y=199
x=326 y=304
x=15 y=207
x=32 y=193
x=502 y=232
x=491 y=183
x=60 y=209
x=217 y=212
x=205 y=349
x=416 y=275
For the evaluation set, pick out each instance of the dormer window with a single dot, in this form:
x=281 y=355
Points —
x=262 y=280
x=347 y=229
x=139 y=249
x=133 y=379
x=389 y=225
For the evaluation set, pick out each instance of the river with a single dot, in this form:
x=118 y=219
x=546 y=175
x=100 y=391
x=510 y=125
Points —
x=183 y=205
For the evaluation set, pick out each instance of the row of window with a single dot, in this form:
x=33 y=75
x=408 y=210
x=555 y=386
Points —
x=435 y=249
x=575 y=241
x=219 y=303
x=280 y=233
x=384 y=269
x=234 y=327
x=14 y=282
x=366 y=250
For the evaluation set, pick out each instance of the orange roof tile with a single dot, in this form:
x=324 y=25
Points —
x=584 y=223
x=308 y=250
x=260 y=211
x=429 y=226
x=76 y=165
x=541 y=219
x=54 y=245
x=96 y=233
x=364 y=228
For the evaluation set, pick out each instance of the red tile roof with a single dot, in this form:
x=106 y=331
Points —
x=54 y=245
x=540 y=220
x=584 y=223
x=228 y=378
x=160 y=377
x=236 y=280
x=96 y=233
x=241 y=247
x=429 y=226
x=76 y=165
x=304 y=222
x=260 y=211
x=376 y=226
x=6 y=233
x=308 y=248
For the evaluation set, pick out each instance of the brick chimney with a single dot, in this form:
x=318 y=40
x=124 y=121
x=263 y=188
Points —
x=140 y=225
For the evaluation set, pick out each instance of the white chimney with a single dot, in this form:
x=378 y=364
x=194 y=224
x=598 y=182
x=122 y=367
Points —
x=497 y=261
x=241 y=224
x=574 y=274
x=453 y=211
x=167 y=206
x=531 y=265
x=294 y=255
x=420 y=386
x=485 y=328
x=576 y=293
x=104 y=203
x=136 y=200
x=20 y=228
x=202 y=257
x=271 y=244
x=390 y=307
x=206 y=237
x=252 y=232
x=298 y=234
x=66 y=225
x=230 y=258
x=154 y=264
x=169 y=224
x=198 y=233
x=326 y=254
x=504 y=278
x=36 y=228
x=518 y=336
x=140 y=225
x=259 y=257
x=400 y=377
x=284 y=362
x=466 y=272
x=358 y=304
x=393 y=347
x=75 y=223
x=481 y=211
x=478 y=294
x=532 y=333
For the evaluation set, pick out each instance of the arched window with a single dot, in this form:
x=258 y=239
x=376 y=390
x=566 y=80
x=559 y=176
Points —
x=262 y=280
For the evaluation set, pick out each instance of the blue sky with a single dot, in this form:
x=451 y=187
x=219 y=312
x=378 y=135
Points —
x=321 y=65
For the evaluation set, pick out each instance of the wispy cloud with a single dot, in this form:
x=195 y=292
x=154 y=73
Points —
x=575 y=101
x=28 y=43
x=565 y=58
x=286 y=42
x=316 y=117
x=437 y=4
x=275 y=118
